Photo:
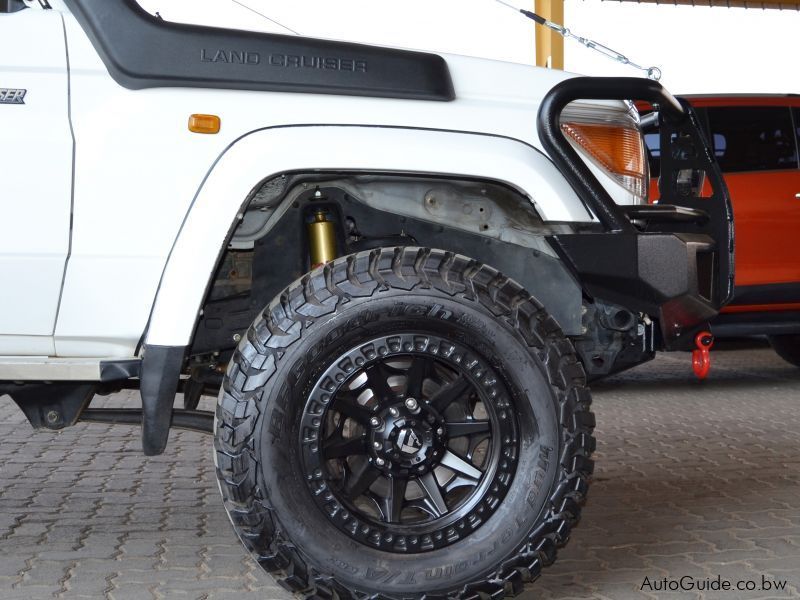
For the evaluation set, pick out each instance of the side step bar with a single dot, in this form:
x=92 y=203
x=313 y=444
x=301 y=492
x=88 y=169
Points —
x=48 y=368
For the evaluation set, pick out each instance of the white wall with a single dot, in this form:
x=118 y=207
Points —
x=698 y=49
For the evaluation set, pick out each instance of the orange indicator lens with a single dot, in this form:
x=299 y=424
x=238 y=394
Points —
x=204 y=124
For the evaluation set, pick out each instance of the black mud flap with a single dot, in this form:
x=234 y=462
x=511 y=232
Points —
x=161 y=372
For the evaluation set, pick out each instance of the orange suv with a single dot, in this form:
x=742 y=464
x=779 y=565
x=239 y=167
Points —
x=755 y=140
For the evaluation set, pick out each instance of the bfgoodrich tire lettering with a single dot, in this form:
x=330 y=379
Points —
x=372 y=295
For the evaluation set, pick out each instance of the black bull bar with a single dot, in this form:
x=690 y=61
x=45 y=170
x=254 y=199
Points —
x=673 y=260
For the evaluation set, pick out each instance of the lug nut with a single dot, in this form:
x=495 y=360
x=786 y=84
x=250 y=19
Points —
x=412 y=405
x=394 y=412
x=380 y=462
x=375 y=422
x=440 y=431
x=377 y=445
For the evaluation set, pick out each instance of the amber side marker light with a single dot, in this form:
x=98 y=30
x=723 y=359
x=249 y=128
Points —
x=204 y=124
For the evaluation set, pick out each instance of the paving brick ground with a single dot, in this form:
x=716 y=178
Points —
x=692 y=480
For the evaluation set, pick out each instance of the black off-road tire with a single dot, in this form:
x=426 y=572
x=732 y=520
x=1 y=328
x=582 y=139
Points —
x=787 y=347
x=258 y=438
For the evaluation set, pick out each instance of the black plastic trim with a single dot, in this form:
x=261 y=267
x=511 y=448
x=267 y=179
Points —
x=10 y=6
x=141 y=51
x=772 y=293
x=117 y=370
x=160 y=376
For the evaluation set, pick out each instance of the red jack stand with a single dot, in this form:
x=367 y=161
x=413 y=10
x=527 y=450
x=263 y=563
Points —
x=701 y=357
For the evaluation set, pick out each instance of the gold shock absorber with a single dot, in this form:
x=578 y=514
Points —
x=322 y=239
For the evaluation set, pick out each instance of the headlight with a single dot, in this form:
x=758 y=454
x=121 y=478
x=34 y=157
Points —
x=611 y=139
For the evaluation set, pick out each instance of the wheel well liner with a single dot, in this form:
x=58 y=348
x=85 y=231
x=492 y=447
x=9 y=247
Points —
x=246 y=281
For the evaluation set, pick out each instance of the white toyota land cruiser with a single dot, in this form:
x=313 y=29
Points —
x=316 y=231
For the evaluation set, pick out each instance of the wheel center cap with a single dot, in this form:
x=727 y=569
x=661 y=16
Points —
x=409 y=442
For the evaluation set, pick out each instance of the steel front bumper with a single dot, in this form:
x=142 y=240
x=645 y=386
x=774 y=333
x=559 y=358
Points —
x=672 y=261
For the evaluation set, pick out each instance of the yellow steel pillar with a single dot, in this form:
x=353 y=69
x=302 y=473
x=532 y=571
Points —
x=549 y=44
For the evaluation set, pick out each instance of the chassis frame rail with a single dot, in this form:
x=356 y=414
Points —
x=193 y=420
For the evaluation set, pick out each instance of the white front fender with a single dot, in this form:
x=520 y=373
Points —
x=269 y=152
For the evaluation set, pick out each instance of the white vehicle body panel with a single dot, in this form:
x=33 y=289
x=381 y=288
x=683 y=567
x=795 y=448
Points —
x=35 y=177
x=153 y=203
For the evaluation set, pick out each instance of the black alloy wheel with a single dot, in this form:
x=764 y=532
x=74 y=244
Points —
x=412 y=450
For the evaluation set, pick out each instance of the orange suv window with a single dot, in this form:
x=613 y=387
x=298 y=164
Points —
x=753 y=138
